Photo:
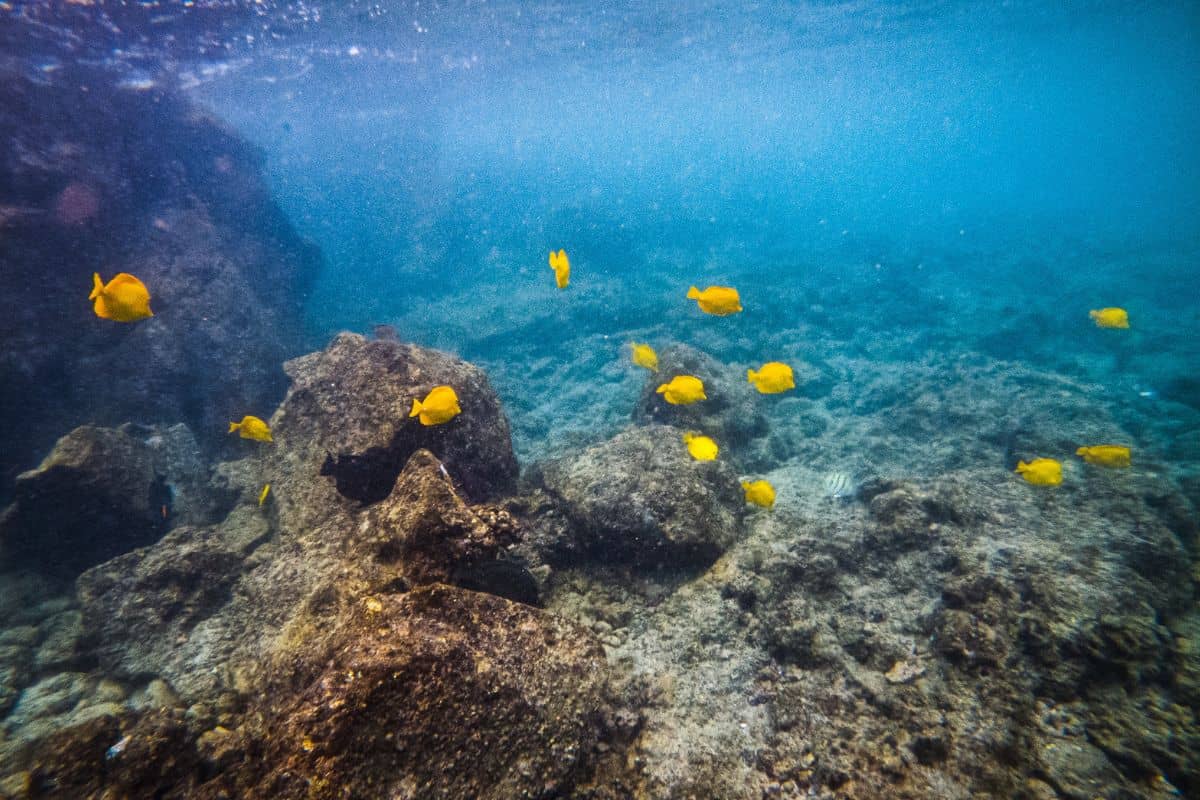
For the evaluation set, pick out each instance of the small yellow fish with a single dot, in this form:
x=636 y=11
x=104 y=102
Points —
x=720 y=301
x=262 y=496
x=702 y=448
x=123 y=299
x=772 y=378
x=760 y=493
x=252 y=428
x=562 y=268
x=1110 y=317
x=438 y=407
x=1105 y=455
x=644 y=356
x=1041 y=471
x=683 y=390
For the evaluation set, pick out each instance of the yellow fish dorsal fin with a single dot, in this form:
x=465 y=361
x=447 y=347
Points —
x=416 y=408
x=97 y=286
x=693 y=293
x=233 y=426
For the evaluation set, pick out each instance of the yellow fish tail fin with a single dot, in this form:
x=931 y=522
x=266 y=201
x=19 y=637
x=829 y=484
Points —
x=97 y=286
x=416 y=409
x=693 y=293
x=233 y=426
x=745 y=485
x=1083 y=451
x=750 y=376
x=661 y=389
x=1021 y=466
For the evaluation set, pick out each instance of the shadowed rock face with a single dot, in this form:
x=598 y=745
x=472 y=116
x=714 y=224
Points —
x=95 y=178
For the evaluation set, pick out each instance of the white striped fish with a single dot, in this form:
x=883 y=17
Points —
x=839 y=485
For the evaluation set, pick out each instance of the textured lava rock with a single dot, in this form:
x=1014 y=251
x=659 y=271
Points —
x=440 y=692
x=640 y=496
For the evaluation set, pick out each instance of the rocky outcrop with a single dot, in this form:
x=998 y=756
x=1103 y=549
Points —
x=101 y=493
x=641 y=498
x=101 y=178
x=205 y=606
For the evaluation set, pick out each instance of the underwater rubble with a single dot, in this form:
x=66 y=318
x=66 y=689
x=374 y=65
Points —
x=961 y=635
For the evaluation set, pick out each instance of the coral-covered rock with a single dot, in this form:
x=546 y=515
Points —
x=732 y=414
x=100 y=493
x=440 y=692
x=641 y=497
x=104 y=179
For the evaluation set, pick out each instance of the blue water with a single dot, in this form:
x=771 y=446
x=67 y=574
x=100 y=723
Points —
x=941 y=175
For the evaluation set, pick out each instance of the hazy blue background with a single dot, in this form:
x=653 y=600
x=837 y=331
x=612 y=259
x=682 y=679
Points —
x=414 y=142
x=879 y=180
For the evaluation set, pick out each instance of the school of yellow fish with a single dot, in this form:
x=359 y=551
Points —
x=126 y=299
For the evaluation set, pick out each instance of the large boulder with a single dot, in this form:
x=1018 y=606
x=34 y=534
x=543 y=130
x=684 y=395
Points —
x=102 y=492
x=347 y=413
x=641 y=497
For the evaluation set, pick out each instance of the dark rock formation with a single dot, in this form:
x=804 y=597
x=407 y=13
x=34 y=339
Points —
x=100 y=493
x=99 y=178
x=732 y=414
x=641 y=497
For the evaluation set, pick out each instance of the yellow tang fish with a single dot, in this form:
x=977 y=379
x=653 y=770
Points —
x=683 y=390
x=1105 y=455
x=644 y=356
x=123 y=299
x=562 y=268
x=262 y=496
x=1110 y=317
x=760 y=493
x=720 y=301
x=252 y=428
x=1041 y=471
x=438 y=407
x=702 y=448
x=772 y=378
